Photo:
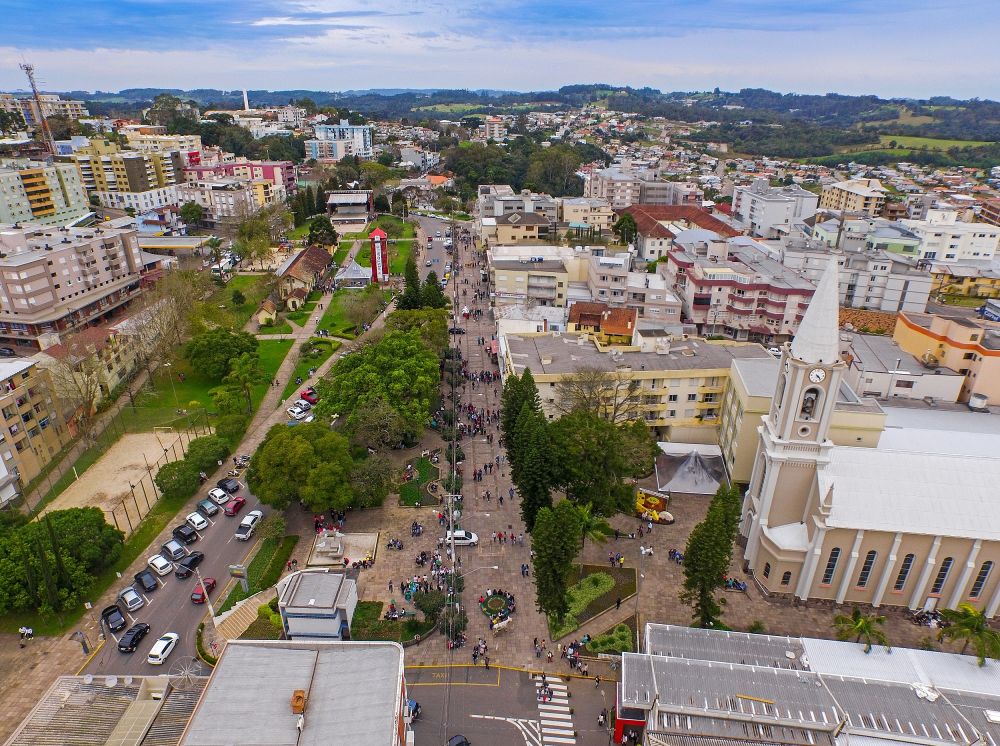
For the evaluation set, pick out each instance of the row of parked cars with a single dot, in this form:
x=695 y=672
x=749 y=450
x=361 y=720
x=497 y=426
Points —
x=300 y=408
x=174 y=557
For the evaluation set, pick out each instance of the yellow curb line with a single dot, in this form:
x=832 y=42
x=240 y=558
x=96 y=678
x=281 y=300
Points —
x=91 y=656
x=533 y=671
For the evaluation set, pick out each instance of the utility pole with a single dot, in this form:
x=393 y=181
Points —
x=29 y=70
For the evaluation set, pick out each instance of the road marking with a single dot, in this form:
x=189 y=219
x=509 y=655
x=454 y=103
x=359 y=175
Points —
x=555 y=715
x=527 y=728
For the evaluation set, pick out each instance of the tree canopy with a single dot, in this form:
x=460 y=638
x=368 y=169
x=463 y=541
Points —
x=556 y=539
x=708 y=553
x=212 y=352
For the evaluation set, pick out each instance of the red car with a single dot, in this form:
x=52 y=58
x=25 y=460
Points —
x=234 y=506
x=200 y=593
x=309 y=395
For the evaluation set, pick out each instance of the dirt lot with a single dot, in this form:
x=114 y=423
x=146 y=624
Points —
x=105 y=485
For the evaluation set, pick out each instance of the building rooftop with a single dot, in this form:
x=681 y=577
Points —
x=524 y=265
x=878 y=354
x=566 y=353
x=25 y=243
x=651 y=220
x=353 y=695
x=818 y=337
x=312 y=590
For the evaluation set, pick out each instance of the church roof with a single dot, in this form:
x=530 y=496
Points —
x=818 y=337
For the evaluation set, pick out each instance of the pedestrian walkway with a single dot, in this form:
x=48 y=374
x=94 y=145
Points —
x=554 y=713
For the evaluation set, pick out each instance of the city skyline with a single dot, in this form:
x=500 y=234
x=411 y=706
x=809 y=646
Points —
x=853 y=48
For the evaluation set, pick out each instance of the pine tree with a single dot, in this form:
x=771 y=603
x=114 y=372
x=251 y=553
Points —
x=556 y=540
x=48 y=582
x=320 y=202
x=511 y=402
x=56 y=553
x=431 y=295
x=534 y=470
x=412 y=298
x=708 y=553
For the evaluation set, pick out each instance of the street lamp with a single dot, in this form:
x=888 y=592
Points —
x=176 y=402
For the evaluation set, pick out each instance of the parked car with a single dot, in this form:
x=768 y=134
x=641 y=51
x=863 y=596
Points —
x=173 y=550
x=197 y=521
x=132 y=600
x=297 y=413
x=185 y=533
x=146 y=580
x=234 y=506
x=302 y=404
x=456 y=330
x=229 y=484
x=132 y=637
x=458 y=741
x=185 y=568
x=200 y=593
x=463 y=538
x=248 y=525
x=218 y=496
x=309 y=395
x=162 y=648
x=776 y=351
x=208 y=508
x=428 y=263
x=7 y=352
x=113 y=618
x=158 y=564
x=438 y=234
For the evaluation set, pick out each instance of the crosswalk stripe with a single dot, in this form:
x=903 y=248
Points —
x=552 y=685
x=556 y=723
x=556 y=739
x=556 y=715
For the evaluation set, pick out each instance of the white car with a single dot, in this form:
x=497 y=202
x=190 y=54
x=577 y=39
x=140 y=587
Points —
x=302 y=404
x=248 y=525
x=218 y=496
x=297 y=413
x=776 y=351
x=196 y=521
x=162 y=648
x=463 y=538
x=160 y=565
x=438 y=234
x=428 y=263
x=131 y=599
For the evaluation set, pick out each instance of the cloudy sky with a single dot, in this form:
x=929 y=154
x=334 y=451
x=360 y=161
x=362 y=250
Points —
x=890 y=47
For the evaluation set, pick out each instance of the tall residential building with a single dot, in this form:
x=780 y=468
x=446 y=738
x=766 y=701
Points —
x=279 y=173
x=224 y=201
x=990 y=212
x=620 y=188
x=855 y=195
x=865 y=525
x=57 y=279
x=37 y=192
x=943 y=237
x=52 y=106
x=770 y=211
x=337 y=141
x=128 y=179
x=162 y=143
x=494 y=128
x=652 y=191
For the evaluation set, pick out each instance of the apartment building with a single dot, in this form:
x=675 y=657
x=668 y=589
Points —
x=943 y=237
x=869 y=278
x=877 y=366
x=279 y=173
x=421 y=158
x=652 y=191
x=494 y=128
x=609 y=326
x=497 y=200
x=126 y=179
x=534 y=281
x=990 y=212
x=585 y=213
x=611 y=280
x=337 y=141
x=43 y=193
x=856 y=421
x=855 y=195
x=769 y=212
x=52 y=106
x=58 y=279
x=660 y=225
x=681 y=382
x=965 y=279
x=731 y=290
x=162 y=143
x=518 y=227
x=223 y=201
x=970 y=347
x=620 y=188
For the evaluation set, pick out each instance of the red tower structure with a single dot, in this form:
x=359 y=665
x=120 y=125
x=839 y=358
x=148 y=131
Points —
x=380 y=256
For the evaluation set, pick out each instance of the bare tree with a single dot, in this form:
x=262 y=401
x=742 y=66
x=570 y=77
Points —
x=612 y=395
x=362 y=306
x=79 y=381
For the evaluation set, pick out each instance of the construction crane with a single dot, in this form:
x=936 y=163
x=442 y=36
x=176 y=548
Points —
x=29 y=70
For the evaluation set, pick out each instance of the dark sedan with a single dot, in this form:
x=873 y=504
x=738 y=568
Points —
x=131 y=639
x=113 y=618
x=186 y=566
x=146 y=581
x=229 y=484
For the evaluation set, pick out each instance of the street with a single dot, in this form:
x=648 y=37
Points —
x=169 y=609
x=435 y=252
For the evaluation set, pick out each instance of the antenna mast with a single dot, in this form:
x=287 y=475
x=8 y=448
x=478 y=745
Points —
x=29 y=70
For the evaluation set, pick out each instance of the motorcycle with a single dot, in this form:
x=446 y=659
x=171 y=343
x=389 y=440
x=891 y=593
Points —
x=415 y=709
x=394 y=544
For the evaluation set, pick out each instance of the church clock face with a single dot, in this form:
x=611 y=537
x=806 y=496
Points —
x=817 y=375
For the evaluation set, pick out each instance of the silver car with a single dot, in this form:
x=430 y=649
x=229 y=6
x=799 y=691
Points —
x=132 y=600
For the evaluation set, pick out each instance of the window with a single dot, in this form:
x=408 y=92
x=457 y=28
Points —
x=904 y=384
x=672 y=397
x=831 y=566
x=692 y=397
x=866 y=568
x=786 y=577
x=904 y=572
x=767 y=569
x=981 y=578
x=942 y=575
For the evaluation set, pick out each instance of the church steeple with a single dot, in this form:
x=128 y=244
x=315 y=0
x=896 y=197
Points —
x=818 y=337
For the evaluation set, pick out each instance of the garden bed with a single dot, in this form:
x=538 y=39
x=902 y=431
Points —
x=368 y=624
x=264 y=569
x=415 y=493
x=593 y=589
x=618 y=639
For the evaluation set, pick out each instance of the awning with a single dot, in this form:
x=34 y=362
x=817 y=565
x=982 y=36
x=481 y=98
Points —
x=494 y=347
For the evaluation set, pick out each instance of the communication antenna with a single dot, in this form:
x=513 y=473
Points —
x=29 y=70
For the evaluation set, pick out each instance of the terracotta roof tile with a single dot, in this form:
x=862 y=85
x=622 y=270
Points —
x=649 y=219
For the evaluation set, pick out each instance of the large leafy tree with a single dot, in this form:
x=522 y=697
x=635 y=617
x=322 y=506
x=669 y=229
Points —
x=556 y=540
x=707 y=555
x=192 y=213
x=626 y=228
x=860 y=626
x=214 y=351
x=377 y=425
x=969 y=624
x=398 y=368
x=321 y=232
x=431 y=324
x=245 y=373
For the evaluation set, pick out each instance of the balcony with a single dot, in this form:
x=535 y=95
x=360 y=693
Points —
x=541 y=282
x=706 y=405
x=710 y=389
x=543 y=293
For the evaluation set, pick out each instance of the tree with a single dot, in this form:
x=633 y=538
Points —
x=321 y=232
x=178 y=479
x=245 y=373
x=861 y=626
x=79 y=377
x=592 y=527
x=381 y=204
x=707 y=555
x=230 y=427
x=213 y=352
x=207 y=451
x=214 y=246
x=371 y=481
x=626 y=228
x=553 y=171
x=612 y=395
x=11 y=121
x=532 y=471
x=376 y=425
x=431 y=295
x=430 y=324
x=361 y=306
x=969 y=624
x=192 y=213
x=556 y=539
x=238 y=298
x=516 y=391
x=273 y=526
x=412 y=297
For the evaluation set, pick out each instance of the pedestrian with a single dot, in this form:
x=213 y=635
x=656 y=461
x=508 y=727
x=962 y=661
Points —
x=486 y=662
x=549 y=656
x=618 y=603
x=597 y=681
x=584 y=670
x=390 y=586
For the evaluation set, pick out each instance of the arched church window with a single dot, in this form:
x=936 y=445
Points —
x=810 y=403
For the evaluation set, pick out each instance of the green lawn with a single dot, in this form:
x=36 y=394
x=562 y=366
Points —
x=219 y=310
x=272 y=354
x=334 y=320
x=283 y=327
x=324 y=348
x=368 y=624
x=343 y=249
x=593 y=589
x=412 y=493
x=263 y=571
x=297 y=234
x=932 y=143
x=965 y=301
x=399 y=253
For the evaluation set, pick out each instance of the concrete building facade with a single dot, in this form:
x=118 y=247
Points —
x=769 y=212
x=337 y=141
x=36 y=192
x=854 y=195
x=943 y=237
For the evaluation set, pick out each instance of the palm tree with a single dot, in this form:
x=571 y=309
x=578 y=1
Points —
x=859 y=626
x=245 y=373
x=970 y=624
x=592 y=526
x=214 y=246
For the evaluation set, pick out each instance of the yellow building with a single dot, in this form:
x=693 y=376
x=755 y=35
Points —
x=523 y=280
x=854 y=195
x=960 y=279
x=105 y=167
x=520 y=227
x=37 y=192
x=855 y=422
x=586 y=211
x=969 y=346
